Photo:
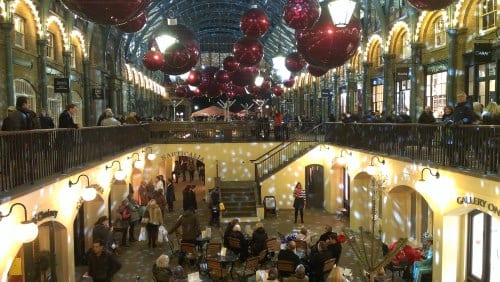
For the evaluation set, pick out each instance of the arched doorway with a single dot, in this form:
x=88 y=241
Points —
x=49 y=252
x=315 y=186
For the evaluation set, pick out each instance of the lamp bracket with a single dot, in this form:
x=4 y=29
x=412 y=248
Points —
x=112 y=163
x=78 y=180
x=10 y=211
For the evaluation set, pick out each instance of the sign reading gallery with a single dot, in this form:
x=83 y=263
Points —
x=471 y=200
x=183 y=154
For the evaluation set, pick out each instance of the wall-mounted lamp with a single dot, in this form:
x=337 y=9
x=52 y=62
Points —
x=89 y=193
x=139 y=164
x=151 y=156
x=421 y=183
x=342 y=160
x=25 y=232
x=119 y=174
x=371 y=169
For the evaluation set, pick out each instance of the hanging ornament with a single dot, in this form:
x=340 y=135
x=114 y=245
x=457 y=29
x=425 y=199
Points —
x=181 y=91
x=300 y=14
x=106 y=12
x=277 y=90
x=244 y=76
x=222 y=76
x=316 y=71
x=153 y=60
x=230 y=64
x=430 y=5
x=135 y=24
x=295 y=62
x=254 y=22
x=327 y=46
x=194 y=78
x=177 y=59
x=290 y=82
x=248 y=51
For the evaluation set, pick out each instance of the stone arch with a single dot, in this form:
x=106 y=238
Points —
x=373 y=50
x=465 y=11
x=356 y=64
x=76 y=43
x=396 y=39
x=426 y=23
x=78 y=36
x=360 y=199
x=23 y=88
x=78 y=101
x=32 y=28
x=60 y=240
x=55 y=26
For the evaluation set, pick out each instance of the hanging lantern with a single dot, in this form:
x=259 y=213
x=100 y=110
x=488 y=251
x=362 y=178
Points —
x=248 y=51
x=295 y=62
x=327 y=46
x=254 y=22
x=341 y=11
x=430 y=5
x=135 y=24
x=300 y=14
x=106 y=12
x=153 y=60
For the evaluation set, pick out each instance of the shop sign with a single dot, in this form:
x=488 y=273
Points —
x=326 y=93
x=483 y=53
x=183 y=154
x=436 y=68
x=61 y=85
x=45 y=214
x=97 y=93
x=471 y=200
x=402 y=73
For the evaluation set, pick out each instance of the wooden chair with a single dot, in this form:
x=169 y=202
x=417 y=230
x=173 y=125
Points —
x=263 y=257
x=285 y=268
x=273 y=246
x=234 y=245
x=248 y=269
x=301 y=244
x=216 y=270
x=213 y=250
x=190 y=253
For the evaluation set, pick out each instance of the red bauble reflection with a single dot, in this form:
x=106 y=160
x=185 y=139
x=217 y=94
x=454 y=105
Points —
x=181 y=91
x=277 y=90
x=244 y=76
x=153 y=60
x=222 y=76
x=248 y=51
x=135 y=24
x=230 y=64
x=290 y=82
x=177 y=59
x=254 y=22
x=430 y=5
x=300 y=14
x=187 y=38
x=295 y=62
x=316 y=71
x=194 y=78
x=106 y=12
x=253 y=89
x=327 y=46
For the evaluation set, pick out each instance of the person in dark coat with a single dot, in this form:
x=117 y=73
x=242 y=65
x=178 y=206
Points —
x=259 y=239
x=288 y=254
x=103 y=232
x=46 y=122
x=243 y=251
x=66 y=117
x=463 y=113
x=229 y=229
x=317 y=260
x=189 y=198
x=334 y=247
x=170 y=194
x=214 y=207
x=103 y=264
x=23 y=118
x=190 y=226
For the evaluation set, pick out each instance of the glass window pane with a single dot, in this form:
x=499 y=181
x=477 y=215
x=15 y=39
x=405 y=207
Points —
x=477 y=245
x=495 y=249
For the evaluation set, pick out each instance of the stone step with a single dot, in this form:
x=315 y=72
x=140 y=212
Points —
x=239 y=214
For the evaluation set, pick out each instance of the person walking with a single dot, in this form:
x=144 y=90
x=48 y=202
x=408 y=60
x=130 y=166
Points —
x=155 y=220
x=170 y=194
x=299 y=203
x=102 y=264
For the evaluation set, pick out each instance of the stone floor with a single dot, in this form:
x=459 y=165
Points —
x=137 y=260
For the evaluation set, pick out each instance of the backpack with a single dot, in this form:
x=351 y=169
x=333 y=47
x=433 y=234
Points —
x=125 y=214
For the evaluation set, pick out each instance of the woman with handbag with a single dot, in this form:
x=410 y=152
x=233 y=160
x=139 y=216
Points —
x=299 y=202
x=155 y=220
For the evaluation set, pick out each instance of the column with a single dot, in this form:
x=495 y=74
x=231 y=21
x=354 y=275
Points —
x=416 y=66
x=366 y=89
x=67 y=74
x=452 y=66
x=335 y=95
x=112 y=93
x=9 y=61
x=42 y=72
x=388 y=104
x=87 y=96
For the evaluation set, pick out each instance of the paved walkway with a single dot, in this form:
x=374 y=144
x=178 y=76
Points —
x=137 y=260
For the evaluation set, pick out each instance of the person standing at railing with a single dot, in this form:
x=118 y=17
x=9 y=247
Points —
x=278 y=126
x=299 y=203
x=7 y=122
x=22 y=118
x=66 y=117
x=46 y=122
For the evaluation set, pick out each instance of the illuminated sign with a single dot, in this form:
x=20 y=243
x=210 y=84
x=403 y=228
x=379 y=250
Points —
x=471 y=200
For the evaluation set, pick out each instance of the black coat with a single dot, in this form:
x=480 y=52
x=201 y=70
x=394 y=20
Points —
x=170 y=193
x=66 y=120
x=289 y=255
x=103 y=267
x=189 y=200
x=259 y=240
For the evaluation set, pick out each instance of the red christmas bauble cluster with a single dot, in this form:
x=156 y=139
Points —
x=294 y=62
x=430 y=5
x=230 y=64
x=300 y=14
x=248 y=51
x=254 y=22
x=107 y=12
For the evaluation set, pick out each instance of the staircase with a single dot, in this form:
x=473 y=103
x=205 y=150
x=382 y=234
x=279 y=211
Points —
x=239 y=198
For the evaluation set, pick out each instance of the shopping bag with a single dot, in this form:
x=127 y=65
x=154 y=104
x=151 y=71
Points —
x=161 y=234
x=143 y=236
x=221 y=206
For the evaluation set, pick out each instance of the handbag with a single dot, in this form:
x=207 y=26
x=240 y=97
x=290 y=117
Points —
x=221 y=206
x=143 y=236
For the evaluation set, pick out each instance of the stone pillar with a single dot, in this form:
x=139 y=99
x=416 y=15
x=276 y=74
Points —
x=87 y=95
x=348 y=82
x=9 y=62
x=388 y=105
x=366 y=88
x=416 y=67
x=452 y=66
x=42 y=73
x=67 y=74
x=335 y=95
x=112 y=94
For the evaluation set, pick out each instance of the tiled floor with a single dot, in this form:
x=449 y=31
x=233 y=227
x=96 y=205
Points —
x=137 y=260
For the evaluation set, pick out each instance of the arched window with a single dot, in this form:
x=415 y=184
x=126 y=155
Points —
x=23 y=88
x=487 y=14
x=77 y=100
x=439 y=33
x=55 y=106
x=406 y=54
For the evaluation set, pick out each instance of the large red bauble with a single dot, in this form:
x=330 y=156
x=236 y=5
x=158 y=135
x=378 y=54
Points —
x=177 y=59
x=253 y=89
x=181 y=91
x=230 y=63
x=327 y=46
x=277 y=90
x=316 y=71
x=244 y=76
x=106 y=12
x=290 y=82
x=194 y=78
x=222 y=76
x=153 y=60
x=430 y=5
x=300 y=14
x=248 y=51
x=254 y=22
x=135 y=24
x=187 y=38
x=294 y=62
x=208 y=73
